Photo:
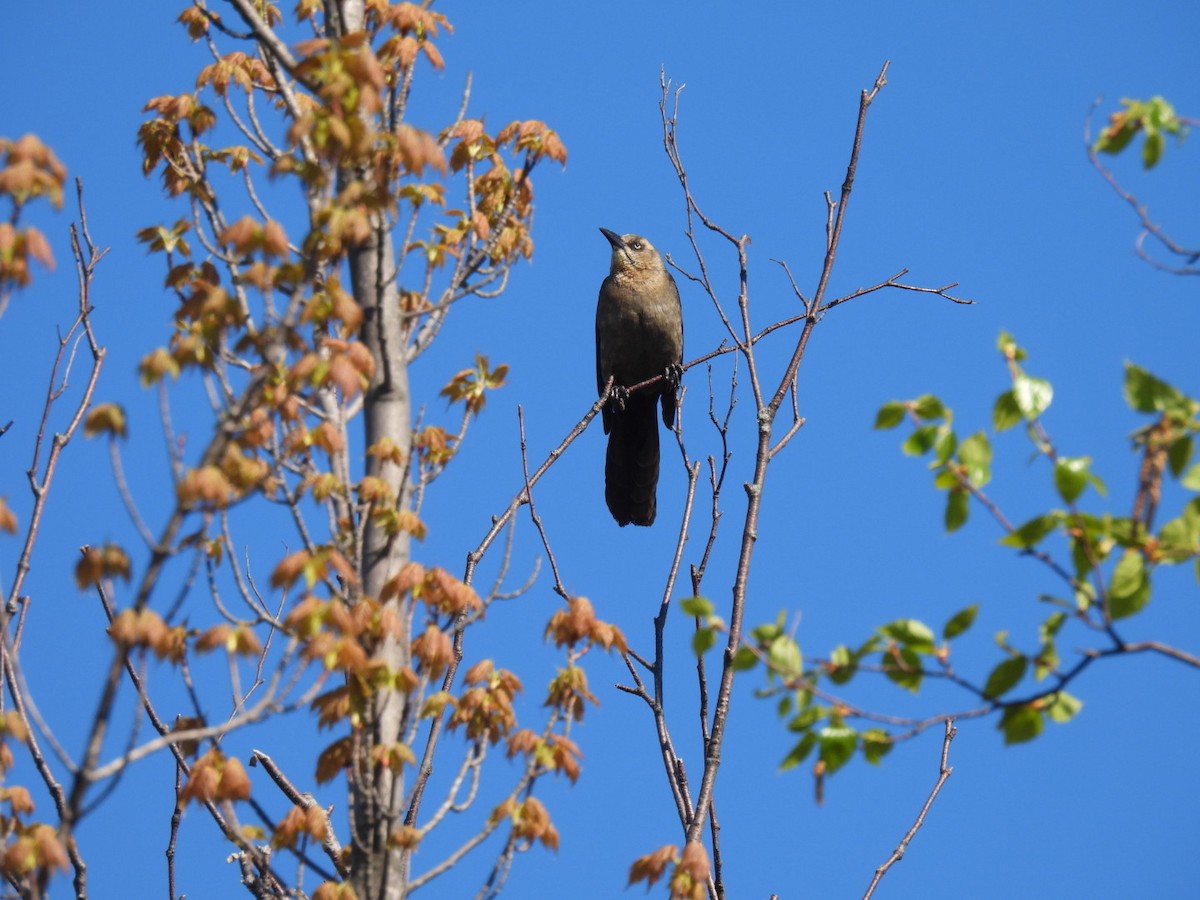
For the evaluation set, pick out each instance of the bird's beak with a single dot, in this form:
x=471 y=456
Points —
x=613 y=238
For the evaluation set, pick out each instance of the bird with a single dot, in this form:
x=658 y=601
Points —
x=639 y=335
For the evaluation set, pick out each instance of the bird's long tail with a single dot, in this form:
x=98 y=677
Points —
x=631 y=467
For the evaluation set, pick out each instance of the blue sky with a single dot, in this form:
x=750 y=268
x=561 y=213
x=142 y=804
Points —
x=972 y=171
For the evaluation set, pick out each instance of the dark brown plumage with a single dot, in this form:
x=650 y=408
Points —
x=639 y=334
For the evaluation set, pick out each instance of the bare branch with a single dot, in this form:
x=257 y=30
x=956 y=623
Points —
x=559 y=587
x=945 y=770
x=329 y=842
x=264 y=33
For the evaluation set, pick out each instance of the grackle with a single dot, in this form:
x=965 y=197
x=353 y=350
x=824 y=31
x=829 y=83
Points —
x=639 y=335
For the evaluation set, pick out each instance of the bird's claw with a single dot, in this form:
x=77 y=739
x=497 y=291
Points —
x=673 y=375
x=617 y=398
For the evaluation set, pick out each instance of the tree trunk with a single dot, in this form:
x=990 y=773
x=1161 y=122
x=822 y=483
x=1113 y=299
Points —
x=377 y=792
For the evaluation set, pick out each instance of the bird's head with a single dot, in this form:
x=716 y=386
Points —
x=632 y=254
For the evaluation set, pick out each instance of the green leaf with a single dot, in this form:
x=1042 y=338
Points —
x=1032 y=395
x=799 y=753
x=806 y=718
x=1085 y=596
x=1032 y=532
x=945 y=445
x=1115 y=139
x=703 y=640
x=785 y=658
x=1006 y=676
x=976 y=456
x=764 y=634
x=1155 y=118
x=1007 y=345
x=890 y=415
x=1071 y=476
x=1130 y=588
x=945 y=479
x=699 y=607
x=929 y=407
x=960 y=622
x=1124 y=531
x=920 y=441
x=905 y=671
x=1179 y=539
x=744 y=659
x=1063 y=707
x=876 y=744
x=1082 y=554
x=1191 y=480
x=837 y=746
x=1161 y=113
x=1152 y=148
x=842 y=665
x=1046 y=661
x=1145 y=393
x=958 y=506
x=870 y=645
x=1054 y=622
x=1006 y=413
x=912 y=633
x=1021 y=724
x=1179 y=454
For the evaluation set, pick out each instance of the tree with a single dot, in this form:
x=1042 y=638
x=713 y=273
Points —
x=294 y=338
x=304 y=302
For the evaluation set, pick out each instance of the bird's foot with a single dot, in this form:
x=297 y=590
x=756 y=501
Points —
x=673 y=375
x=617 y=398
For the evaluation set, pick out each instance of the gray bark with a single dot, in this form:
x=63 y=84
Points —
x=377 y=792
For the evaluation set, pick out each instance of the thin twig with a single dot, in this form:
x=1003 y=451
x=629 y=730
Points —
x=329 y=841
x=1149 y=227
x=945 y=770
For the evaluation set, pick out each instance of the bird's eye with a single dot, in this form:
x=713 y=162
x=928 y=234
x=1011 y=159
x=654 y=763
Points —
x=636 y=245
